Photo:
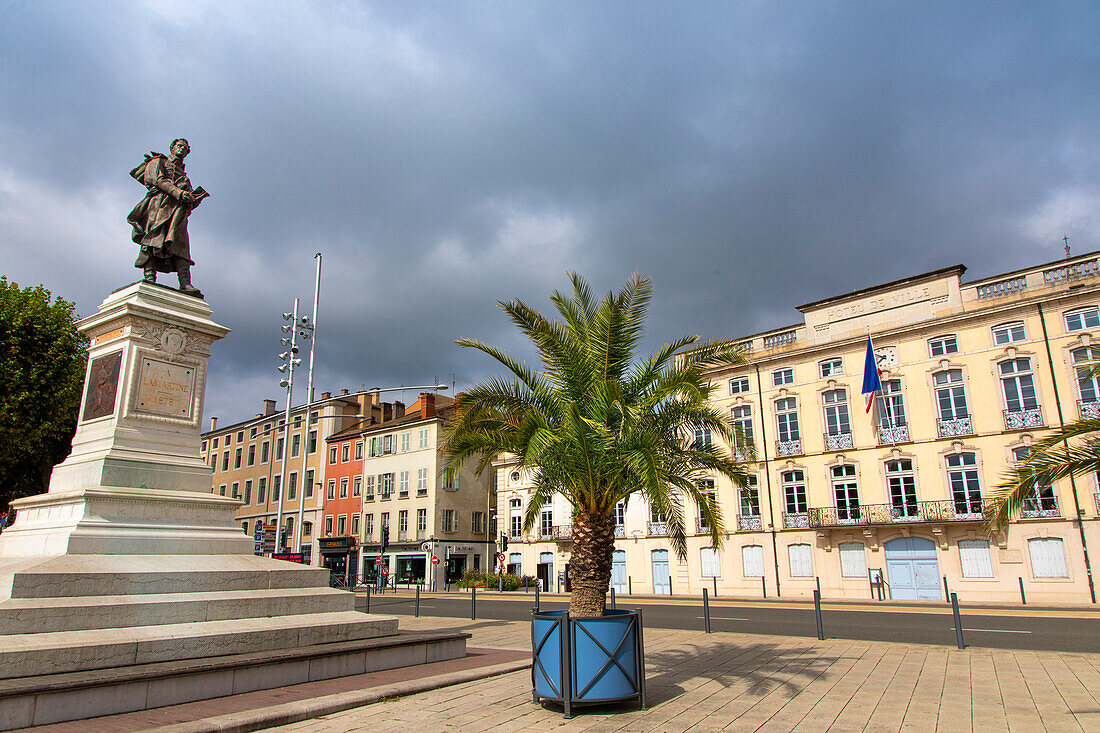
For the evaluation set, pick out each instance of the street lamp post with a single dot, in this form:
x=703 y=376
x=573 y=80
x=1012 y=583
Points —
x=289 y=357
x=309 y=407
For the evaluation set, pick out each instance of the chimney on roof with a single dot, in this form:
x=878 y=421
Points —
x=326 y=395
x=427 y=409
x=269 y=407
x=343 y=391
x=398 y=409
x=213 y=423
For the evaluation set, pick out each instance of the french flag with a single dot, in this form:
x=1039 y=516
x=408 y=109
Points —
x=872 y=385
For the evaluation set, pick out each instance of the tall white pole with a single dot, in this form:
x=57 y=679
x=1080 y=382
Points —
x=309 y=409
x=293 y=352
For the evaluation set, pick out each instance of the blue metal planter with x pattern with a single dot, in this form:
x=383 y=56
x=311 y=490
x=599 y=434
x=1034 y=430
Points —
x=587 y=660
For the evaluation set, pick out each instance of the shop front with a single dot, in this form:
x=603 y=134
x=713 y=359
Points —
x=340 y=555
x=411 y=569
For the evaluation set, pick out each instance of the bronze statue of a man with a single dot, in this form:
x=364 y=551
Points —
x=160 y=219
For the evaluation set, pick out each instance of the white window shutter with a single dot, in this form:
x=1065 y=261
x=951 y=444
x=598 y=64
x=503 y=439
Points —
x=1048 y=558
x=976 y=559
x=753 y=558
x=853 y=560
x=802 y=562
x=712 y=564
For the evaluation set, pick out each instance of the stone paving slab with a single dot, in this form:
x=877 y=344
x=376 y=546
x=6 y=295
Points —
x=725 y=681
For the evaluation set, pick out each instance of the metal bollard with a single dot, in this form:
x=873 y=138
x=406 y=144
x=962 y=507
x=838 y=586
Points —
x=416 y=611
x=817 y=579
x=715 y=579
x=368 y=599
x=1023 y=598
x=670 y=585
x=613 y=599
x=537 y=586
x=764 y=585
x=473 y=603
x=958 y=620
x=706 y=612
x=946 y=590
x=817 y=613
x=629 y=586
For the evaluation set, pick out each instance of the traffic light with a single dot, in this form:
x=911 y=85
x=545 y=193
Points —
x=385 y=540
x=503 y=542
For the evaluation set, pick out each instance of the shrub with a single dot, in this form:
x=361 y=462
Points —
x=492 y=581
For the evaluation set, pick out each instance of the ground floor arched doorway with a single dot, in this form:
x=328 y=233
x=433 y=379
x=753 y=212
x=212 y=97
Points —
x=913 y=570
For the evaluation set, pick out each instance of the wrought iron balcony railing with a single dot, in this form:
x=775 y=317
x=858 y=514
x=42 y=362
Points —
x=893 y=434
x=1023 y=419
x=944 y=510
x=749 y=522
x=958 y=426
x=1088 y=409
x=421 y=534
x=368 y=538
x=402 y=536
x=702 y=526
x=620 y=530
x=788 y=447
x=839 y=441
x=658 y=529
x=1046 y=506
x=796 y=520
x=564 y=533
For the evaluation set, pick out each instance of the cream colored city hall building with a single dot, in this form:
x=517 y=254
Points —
x=972 y=375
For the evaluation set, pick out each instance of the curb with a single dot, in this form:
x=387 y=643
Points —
x=295 y=712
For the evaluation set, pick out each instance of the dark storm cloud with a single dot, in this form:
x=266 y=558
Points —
x=442 y=157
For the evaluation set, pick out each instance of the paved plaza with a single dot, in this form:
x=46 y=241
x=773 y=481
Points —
x=696 y=682
x=724 y=681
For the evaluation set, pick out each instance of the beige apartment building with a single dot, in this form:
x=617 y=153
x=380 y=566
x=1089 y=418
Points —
x=247 y=460
x=389 y=475
x=973 y=373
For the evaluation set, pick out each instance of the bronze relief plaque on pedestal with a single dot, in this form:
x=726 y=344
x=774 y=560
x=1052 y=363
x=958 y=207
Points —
x=99 y=392
x=165 y=388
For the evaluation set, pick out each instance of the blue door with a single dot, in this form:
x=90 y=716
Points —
x=618 y=572
x=913 y=570
x=662 y=582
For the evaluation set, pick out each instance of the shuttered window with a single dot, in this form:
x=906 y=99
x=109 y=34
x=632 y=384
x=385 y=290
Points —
x=753 y=558
x=853 y=560
x=711 y=563
x=802 y=561
x=1048 y=558
x=976 y=560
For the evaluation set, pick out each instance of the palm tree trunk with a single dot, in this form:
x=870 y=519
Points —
x=590 y=563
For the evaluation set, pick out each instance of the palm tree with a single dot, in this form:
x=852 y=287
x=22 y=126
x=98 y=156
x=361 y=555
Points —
x=598 y=425
x=1053 y=458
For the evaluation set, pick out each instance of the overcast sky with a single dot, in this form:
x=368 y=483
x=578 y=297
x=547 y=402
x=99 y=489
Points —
x=748 y=156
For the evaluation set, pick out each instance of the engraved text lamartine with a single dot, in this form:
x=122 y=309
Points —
x=165 y=389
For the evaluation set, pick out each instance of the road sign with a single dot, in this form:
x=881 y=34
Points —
x=385 y=570
x=258 y=548
x=377 y=561
x=435 y=560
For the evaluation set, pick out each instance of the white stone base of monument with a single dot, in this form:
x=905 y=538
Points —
x=113 y=520
x=129 y=577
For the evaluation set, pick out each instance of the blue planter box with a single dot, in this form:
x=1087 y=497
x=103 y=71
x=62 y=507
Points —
x=587 y=660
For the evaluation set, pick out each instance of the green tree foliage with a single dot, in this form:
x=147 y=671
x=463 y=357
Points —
x=42 y=360
x=598 y=424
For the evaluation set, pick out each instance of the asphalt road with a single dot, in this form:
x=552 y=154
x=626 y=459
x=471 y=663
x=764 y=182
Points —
x=1008 y=629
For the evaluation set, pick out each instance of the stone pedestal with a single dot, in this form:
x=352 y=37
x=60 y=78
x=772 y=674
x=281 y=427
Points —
x=129 y=576
x=134 y=482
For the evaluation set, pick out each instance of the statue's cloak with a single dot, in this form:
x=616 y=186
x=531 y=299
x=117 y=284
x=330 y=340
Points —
x=160 y=219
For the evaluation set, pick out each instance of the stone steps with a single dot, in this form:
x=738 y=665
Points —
x=53 y=652
x=53 y=698
x=121 y=575
x=40 y=615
